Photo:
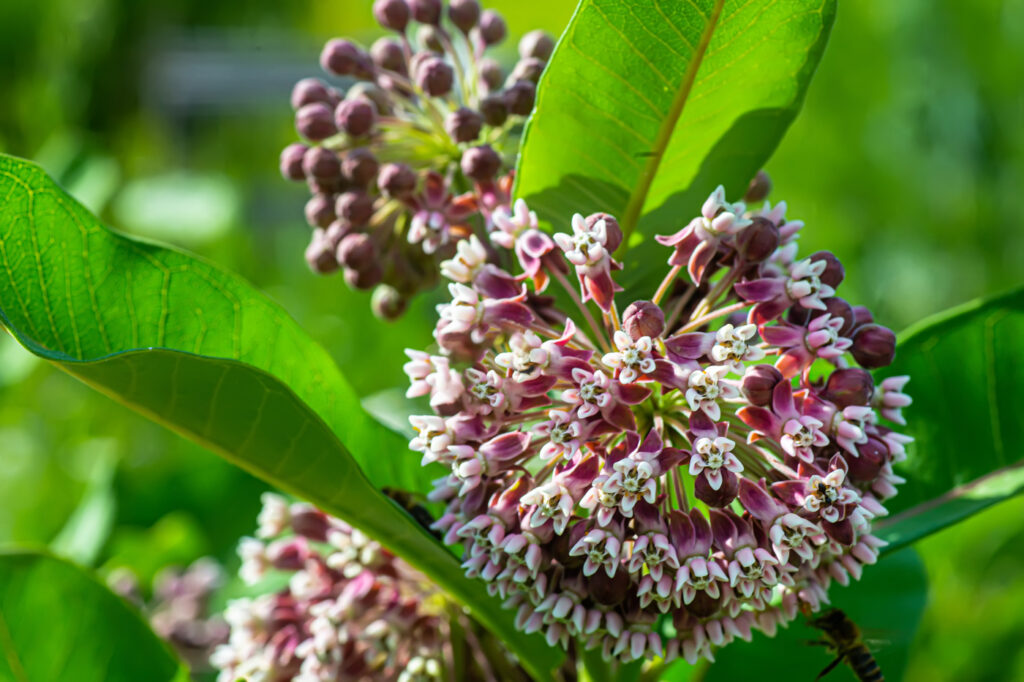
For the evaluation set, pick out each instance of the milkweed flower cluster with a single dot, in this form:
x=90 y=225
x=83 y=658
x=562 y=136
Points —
x=417 y=153
x=660 y=482
x=350 y=611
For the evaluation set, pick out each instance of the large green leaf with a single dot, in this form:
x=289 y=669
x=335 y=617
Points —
x=886 y=604
x=646 y=106
x=197 y=349
x=966 y=376
x=58 y=623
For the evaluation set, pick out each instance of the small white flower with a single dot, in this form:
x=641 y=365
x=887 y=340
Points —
x=826 y=494
x=527 y=358
x=554 y=501
x=632 y=358
x=711 y=456
x=274 y=518
x=509 y=225
x=805 y=285
x=601 y=549
x=564 y=436
x=799 y=436
x=470 y=257
x=733 y=347
x=586 y=245
x=706 y=386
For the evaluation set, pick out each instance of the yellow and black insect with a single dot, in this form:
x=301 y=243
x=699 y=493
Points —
x=843 y=638
x=412 y=506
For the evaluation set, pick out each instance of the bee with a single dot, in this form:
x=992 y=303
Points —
x=843 y=638
x=412 y=506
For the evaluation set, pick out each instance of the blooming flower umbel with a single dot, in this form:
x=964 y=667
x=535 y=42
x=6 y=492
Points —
x=416 y=155
x=712 y=455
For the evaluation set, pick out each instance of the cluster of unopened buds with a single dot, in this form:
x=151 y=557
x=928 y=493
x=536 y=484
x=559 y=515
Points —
x=350 y=610
x=417 y=154
x=660 y=482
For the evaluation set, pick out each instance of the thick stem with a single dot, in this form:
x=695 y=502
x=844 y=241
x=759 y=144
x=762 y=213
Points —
x=666 y=283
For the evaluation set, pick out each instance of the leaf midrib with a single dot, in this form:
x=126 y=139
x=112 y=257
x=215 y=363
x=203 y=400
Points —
x=638 y=197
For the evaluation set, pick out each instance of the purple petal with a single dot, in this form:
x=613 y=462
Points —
x=758 y=502
x=790 y=492
x=506 y=446
x=760 y=289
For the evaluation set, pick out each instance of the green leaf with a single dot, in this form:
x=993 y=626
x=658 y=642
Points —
x=966 y=378
x=198 y=350
x=886 y=604
x=645 y=107
x=57 y=622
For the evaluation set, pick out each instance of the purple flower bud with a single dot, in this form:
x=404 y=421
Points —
x=344 y=58
x=492 y=27
x=429 y=37
x=611 y=228
x=387 y=303
x=322 y=163
x=464 y=125
x=464 y=14
x=426 y=11
x=874 y=346
x=758 y=240
x=493 y=109
x=397 y=180
x=310 y=90
x=872 y=455
x=861 y=315
x=643 y=318
x=434 y=76
x=490 y=74
x=834 y=271
x=364 y=279
x=355 y=206
x=520 y=97
x=291 y=161
x=759 y=382
x=481 y=163
x=721 y=497
x=387 y=53
x=337 y=231
x=315 y=122
x=355 y=116
x=393 y=14
x=320 y=210
x=360 y=166
x=320 y=255
x=537 y=44
x=852 y=386
x=357 y=251
x=837 y=307
x=325 y=185
x=528 y=69
x=374 y=94
x=759 y=188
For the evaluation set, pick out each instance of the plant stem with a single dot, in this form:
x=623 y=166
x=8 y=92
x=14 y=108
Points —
x=666 y=283
x=601 y=339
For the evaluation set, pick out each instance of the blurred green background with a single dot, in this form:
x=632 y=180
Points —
x=166 y=119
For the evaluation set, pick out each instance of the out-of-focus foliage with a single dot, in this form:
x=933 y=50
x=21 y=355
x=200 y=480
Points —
x=906 y=161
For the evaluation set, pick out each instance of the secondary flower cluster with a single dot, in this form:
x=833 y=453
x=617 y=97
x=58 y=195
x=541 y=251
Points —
x=418 y=151
x=661 y=482
x=350 y=611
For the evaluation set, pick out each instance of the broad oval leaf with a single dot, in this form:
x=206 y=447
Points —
x=57 y=622
x=646 y=107
x=198 y=350
x=966 y=376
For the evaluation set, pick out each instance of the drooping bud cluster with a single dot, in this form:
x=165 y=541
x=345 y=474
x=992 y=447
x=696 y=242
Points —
x=350 y=611
x=660 y=482
x=417 y=154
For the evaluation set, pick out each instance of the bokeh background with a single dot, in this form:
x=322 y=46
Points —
x=166 y=119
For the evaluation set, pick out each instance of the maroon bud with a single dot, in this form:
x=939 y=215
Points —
x=464 y=14
x=481 y=163
x=315 y=121
x=387 y=53
x=373 y=94
x=320 y=210
x=386 y=303
x=874 y=346
x=291 y=161
x=434 y=76
x=520 y=97
x=426 y=11
x=344 y=58
x=357 y=251
x=364 y=279
x=609 y=591
x=490 y=74
x=703 y=604
x=311 y=523
x=360 y=166
x=834 y=271
x=851 y=386
x=612 y=230
x=464 y=125
x=325 y=185
x=757 y=241
x=872 y=455
x=492 y=27
x=321 y=163
x=337 y=231
x=493 y=109
x=759 y=188
x=393 y=14
x=861 y=315
x=355 y=116
x=758 y=384
x=722 y=497
x=320 y=255
x=355 y=206
x=397 y=180
x=643 y=318
x=536 y=44
x=310 y=90
x=429 y=37
x=528 y=69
